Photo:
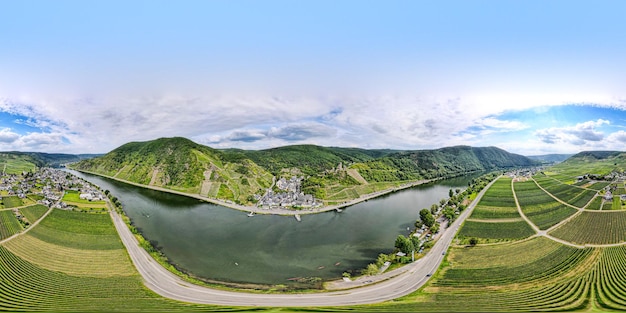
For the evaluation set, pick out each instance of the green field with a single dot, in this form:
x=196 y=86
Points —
x=34 y=212
x=9 y=224
x=74 y=261
x=12 y=201
x=543 y=210
x=594 y=227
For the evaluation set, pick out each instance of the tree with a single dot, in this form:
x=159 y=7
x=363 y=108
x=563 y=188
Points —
x=427 y=218
x=434 y=228
x=450 y=193
x=418 y=224
x=473 y=241
x=404 y=244
x=434 y=208
x=370 y=270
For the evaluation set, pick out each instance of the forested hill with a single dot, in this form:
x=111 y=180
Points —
x=449 y=161
x=309 y=159
x=329 y=172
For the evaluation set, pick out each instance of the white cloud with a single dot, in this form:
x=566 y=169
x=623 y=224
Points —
x=256 y=121
x=7 y=136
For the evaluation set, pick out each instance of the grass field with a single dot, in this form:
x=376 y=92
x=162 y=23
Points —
x=12 y=201
x=34 y=212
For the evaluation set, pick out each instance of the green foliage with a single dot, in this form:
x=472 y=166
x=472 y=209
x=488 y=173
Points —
x=427 y=217
x=370 y=270
x=404 y=244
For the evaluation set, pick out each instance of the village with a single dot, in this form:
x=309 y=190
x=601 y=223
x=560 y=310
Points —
x=47 y=186
x=289 y=194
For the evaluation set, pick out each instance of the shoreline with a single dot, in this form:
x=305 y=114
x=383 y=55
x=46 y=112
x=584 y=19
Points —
x=273 y=211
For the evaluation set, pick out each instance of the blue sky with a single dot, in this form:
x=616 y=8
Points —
x=532 y=77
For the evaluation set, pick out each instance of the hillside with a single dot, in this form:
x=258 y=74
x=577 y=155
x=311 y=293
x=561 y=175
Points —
x=14 y=162
x=550 y=158
x=332 y=174
x=183 y=165
x=449 y=161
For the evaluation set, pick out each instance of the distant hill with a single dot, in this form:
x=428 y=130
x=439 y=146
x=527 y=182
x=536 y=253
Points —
x=331 y=173
x=597 y=155
x=550 y=158
x=13 y=162
x=309 y=159
x=449 y=161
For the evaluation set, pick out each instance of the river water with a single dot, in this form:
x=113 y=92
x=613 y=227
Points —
x=217 y=243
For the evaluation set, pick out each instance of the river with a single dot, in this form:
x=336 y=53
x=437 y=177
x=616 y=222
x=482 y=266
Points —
x=217 y=243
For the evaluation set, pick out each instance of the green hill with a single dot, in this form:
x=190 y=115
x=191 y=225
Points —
x=183 y=165
x=444 y=162
x=330 y=173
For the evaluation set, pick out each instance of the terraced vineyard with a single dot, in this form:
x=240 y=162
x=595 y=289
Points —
x=74 y=261
x=591 y=227
x=543 y=210
x=9 y=225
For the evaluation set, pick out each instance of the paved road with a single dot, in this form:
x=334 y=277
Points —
x=171 y=286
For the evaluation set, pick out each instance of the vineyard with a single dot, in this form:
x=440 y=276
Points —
x=590 y=278
x=498 y=202
x=543 y=210
x=34 y=212
x=596 y=204
x=498 y=231
x=74 y=261
x=575 y=196
x=9 y=225
x=591 y=227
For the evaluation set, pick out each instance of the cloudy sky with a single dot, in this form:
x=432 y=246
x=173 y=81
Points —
x=531 y=77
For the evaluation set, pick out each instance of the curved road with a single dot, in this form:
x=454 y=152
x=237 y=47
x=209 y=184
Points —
x=166 y=284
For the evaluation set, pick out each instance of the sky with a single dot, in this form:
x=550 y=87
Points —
x=531 y=77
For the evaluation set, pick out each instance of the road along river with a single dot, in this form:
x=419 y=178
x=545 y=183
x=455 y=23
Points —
x=168 y=285
x=221 y=244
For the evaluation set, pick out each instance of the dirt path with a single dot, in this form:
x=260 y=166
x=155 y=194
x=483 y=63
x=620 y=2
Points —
x=356 y=175
x=155 y=174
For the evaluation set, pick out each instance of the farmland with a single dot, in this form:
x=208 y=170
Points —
x=9 y=224
x=543 y=210
x=537 y=273
x=74 y=261
x=583 y=229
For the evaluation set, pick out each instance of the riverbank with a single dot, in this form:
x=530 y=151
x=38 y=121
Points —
x=275 y=210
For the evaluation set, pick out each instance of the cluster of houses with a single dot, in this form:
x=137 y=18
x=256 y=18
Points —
x=50 y=184
x=289 y=194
